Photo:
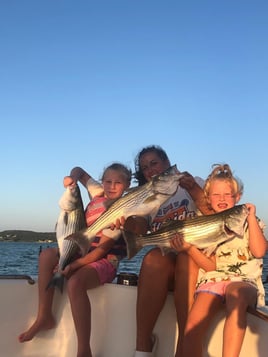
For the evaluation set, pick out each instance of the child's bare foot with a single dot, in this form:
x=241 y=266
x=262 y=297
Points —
x=36 y=327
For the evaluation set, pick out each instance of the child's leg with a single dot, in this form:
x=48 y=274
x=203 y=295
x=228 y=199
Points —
x=185 y=282
x=83 y=279
x=48 y=259
x=239 y=296
x=203 y=309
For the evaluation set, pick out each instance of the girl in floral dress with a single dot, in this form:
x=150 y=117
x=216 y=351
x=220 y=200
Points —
x=231 y=276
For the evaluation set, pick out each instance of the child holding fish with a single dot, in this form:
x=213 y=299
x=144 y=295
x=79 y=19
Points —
x=86 y=272
x=230 y=277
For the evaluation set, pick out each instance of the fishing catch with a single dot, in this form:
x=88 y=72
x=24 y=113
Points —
x=142 y=201
x=71 y=219
x=205 y=232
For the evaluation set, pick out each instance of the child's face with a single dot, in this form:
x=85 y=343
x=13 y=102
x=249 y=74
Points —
x=114 y=184
x=222 y=196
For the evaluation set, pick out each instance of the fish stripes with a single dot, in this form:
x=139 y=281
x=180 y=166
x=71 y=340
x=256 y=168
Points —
x=141 y=201
x=205 y=232
x=71 y=219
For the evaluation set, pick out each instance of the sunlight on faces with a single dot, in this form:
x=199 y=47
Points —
x=222 y=195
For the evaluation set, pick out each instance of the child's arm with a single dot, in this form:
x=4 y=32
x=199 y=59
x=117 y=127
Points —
x=93 y=187
x=257 y=241
x=99 y=252
x=202 y=260
x=78 y=174
x=196 y=192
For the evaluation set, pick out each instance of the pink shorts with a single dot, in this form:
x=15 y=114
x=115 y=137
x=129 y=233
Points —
x=105 y=270
x=218 y=288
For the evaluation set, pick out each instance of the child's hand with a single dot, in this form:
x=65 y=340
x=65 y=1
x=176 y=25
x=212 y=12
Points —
x=179 y=244
x=67 y=271
x=56 y=268
x=252 y=209
x=119 y=223
x=68 y=181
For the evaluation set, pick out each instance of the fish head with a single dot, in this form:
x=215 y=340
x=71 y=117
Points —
x=167 y=182
x=236 y=219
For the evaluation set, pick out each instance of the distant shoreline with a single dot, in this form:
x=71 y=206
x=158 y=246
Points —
x=27 y=236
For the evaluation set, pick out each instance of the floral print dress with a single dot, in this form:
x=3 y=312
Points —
x=235 y=262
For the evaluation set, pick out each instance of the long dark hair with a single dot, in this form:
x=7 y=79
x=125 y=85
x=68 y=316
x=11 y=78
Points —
x=138 y=175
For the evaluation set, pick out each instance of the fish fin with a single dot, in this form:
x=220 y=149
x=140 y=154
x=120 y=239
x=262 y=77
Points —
x=81 y=240
x=162 y=250
x=210 y=250
x=56 y=281
x=166 y=249
x=132 y=247
x=152 y=214
x=150 y=199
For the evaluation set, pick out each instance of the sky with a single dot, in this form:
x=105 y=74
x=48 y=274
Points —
x=86 y=83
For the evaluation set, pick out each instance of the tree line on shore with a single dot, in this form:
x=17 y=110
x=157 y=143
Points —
x=26 y=236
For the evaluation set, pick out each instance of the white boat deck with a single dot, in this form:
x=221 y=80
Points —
x=113 y=325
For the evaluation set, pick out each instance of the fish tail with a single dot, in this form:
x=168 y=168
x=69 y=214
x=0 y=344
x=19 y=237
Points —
x=56 y=281
x=132 y=247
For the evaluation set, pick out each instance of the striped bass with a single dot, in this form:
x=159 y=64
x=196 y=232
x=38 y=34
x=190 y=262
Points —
x=70 y=220
x=141 y=201
x=205 y=232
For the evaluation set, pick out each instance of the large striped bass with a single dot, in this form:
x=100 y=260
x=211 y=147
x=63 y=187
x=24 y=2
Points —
x=141 y=201
x=205 y=232
x=71 y=219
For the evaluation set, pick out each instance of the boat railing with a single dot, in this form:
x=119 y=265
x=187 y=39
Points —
x=29 y=279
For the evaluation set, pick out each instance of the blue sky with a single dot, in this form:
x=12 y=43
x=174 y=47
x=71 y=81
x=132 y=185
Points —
x=86 y=83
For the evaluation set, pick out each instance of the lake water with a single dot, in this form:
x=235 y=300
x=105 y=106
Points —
x=22 y=259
